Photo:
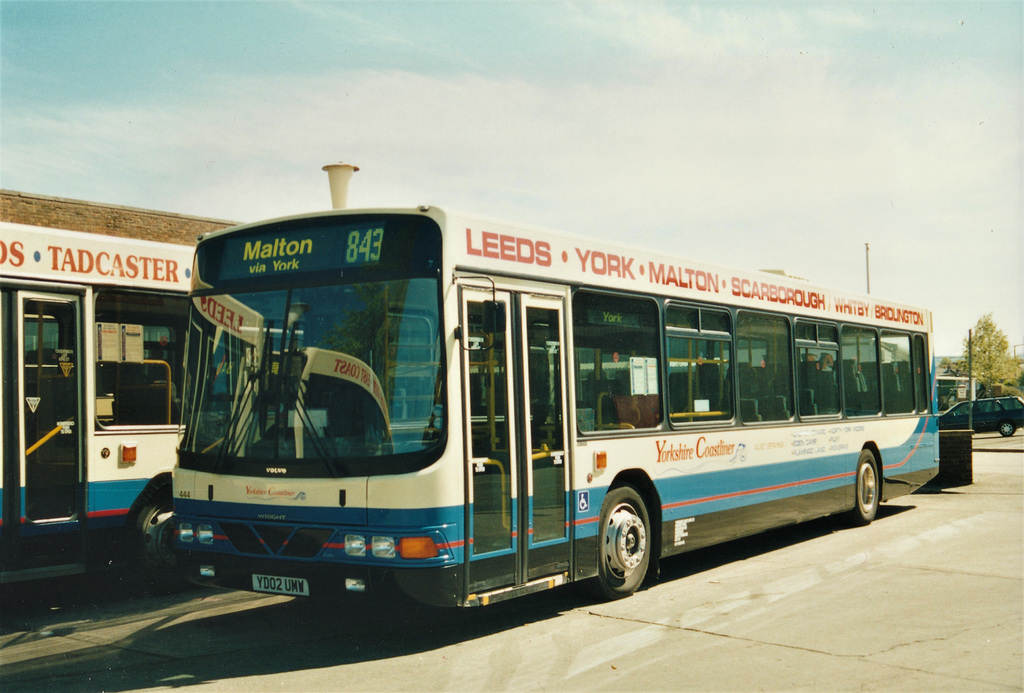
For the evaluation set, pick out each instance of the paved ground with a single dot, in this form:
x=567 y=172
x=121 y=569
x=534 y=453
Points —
x=929 y=597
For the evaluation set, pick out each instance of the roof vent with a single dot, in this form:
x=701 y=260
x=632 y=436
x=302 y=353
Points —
x=339 y=175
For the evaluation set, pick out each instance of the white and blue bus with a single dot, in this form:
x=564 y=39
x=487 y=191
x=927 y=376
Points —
x=457 y=410
x=91 y=364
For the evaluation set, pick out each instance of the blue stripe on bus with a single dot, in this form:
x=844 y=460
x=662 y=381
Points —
x=109 y=505
x=731 y=489
x=708 y=492
x=113 y=499
x=682 y=495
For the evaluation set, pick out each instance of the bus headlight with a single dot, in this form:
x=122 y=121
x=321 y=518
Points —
x=355 y=545
x=185 y=534
x=205 y=534
x=384 y=547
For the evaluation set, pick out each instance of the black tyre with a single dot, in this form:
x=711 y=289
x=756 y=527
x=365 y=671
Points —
x=1006 y=428
x=156 y=533
x=867 y=490
x=625 y=543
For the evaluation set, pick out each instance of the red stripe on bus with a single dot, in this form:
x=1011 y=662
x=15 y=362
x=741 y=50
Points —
x=108 y=513
x=910 y=454
x=755 y=491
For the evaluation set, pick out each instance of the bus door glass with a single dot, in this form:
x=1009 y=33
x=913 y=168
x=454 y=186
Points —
x=49 y=394
x=492 y=474
x=516 y=464
x=543 y=435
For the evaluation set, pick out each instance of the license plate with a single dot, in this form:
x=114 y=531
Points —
x=280 y=585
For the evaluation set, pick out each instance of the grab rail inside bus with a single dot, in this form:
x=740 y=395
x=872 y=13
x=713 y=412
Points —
x=45 y=439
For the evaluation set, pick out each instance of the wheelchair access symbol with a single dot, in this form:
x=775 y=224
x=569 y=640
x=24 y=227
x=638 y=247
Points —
x=583 y=501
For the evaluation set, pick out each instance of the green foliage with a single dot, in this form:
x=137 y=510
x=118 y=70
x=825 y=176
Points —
x=993 y=362
x=948 y=366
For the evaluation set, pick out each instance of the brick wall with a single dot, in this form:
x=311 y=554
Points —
x=110 y=220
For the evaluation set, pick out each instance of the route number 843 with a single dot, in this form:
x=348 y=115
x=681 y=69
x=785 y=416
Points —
x=363 y=245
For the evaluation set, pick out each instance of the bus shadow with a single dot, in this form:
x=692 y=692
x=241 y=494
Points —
x=206 y=635
x=23 y=603
x=211 y=635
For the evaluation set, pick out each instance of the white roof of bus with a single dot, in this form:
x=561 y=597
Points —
x=45 y=254
x=479 y=244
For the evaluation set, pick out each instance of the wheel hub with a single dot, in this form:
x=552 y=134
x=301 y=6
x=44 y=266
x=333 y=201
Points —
x=626 y=540
x=867 y=491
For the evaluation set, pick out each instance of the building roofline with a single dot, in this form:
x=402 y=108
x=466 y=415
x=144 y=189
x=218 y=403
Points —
x=104 y=205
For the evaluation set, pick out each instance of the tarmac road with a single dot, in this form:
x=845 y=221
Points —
x=929 y=597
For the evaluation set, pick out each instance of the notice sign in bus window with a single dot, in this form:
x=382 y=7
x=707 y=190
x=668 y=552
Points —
x=281 y=252
x=119 y=342
x=108 y=341
x=132 y=344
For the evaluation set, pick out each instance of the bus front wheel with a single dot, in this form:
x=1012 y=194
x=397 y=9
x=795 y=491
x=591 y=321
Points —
x=867 y=490
x=156 y=531
x=625 y=543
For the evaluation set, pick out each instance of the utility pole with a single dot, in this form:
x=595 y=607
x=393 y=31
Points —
x=970 y=378
x=867 y=264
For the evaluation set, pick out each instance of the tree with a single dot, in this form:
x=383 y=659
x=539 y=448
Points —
x=993 y=363
x=948 y=366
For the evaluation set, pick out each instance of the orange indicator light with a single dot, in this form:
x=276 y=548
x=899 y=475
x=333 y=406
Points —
x=417 y=547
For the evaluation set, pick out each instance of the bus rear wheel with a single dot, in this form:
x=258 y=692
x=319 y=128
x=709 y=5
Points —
x=625 y=543
x=867 y=490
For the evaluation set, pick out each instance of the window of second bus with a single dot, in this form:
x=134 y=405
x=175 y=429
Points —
x=140 y=346
x=817 y=386
x=617 y=362
x=861 y=391
x=699 y=374
x=764 y=358
x=921 y=374
x=897 y=372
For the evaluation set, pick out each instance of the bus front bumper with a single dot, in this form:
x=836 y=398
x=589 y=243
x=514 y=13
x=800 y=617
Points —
x=330 y=581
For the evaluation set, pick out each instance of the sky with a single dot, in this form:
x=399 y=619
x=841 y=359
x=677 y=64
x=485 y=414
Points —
x=827 y=139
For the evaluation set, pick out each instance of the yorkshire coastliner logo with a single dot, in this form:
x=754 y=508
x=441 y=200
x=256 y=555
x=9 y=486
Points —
x=704 y=448
x=273 y=493
x=696 y=456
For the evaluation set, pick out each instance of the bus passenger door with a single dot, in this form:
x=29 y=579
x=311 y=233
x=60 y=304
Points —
x=43 y=524
x=518 y=471
x=492 y=522
x=545 y=467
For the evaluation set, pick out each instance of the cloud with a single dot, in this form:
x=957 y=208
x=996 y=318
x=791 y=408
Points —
x=756 y=162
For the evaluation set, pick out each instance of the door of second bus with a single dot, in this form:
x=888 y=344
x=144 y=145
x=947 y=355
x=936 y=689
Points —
x=517 y=466
x=43 y=458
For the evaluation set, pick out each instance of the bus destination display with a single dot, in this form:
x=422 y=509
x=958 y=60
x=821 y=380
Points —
x=279 y=252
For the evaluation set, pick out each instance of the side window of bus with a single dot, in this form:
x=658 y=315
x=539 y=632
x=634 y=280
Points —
x=860 y=371
x=617 y=362
x=140 y=342
x=699 y=370
x=817 y=386
x=921 y=374
x=897 y=383
x=763 y=362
